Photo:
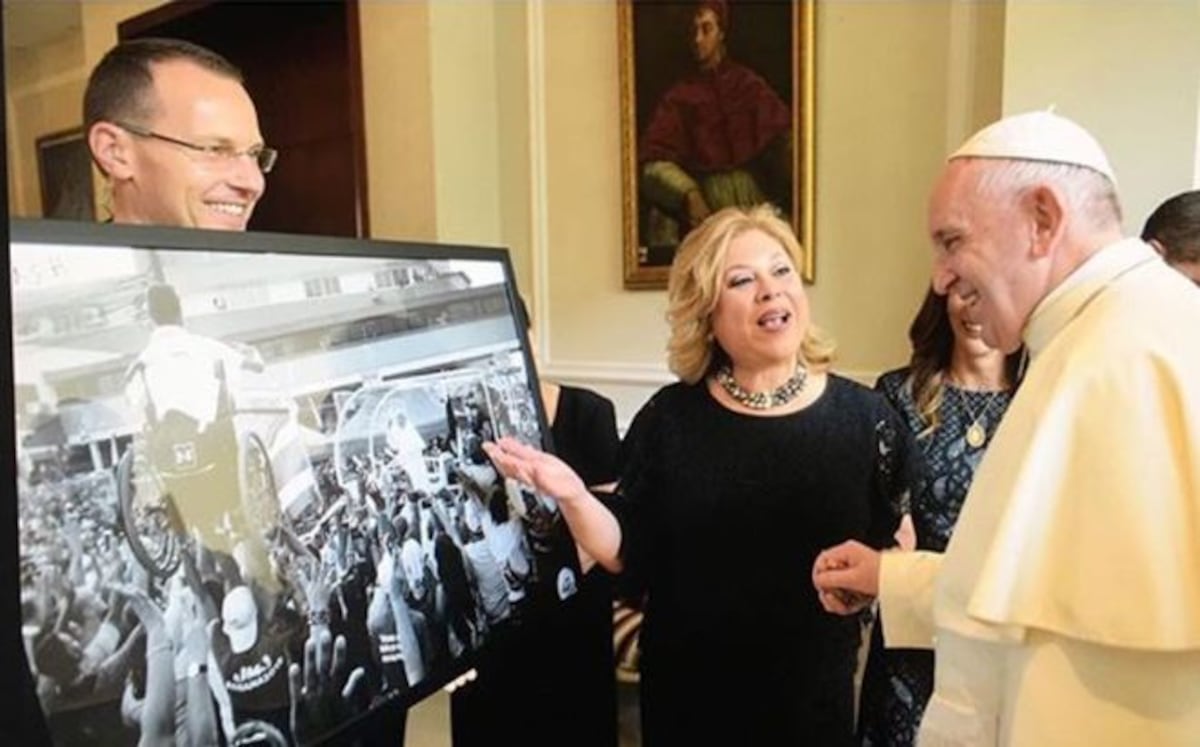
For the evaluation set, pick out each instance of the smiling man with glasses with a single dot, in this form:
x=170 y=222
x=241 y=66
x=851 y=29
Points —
x=176 y=136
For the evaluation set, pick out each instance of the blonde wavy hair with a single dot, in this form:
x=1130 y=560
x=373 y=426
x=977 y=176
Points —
x=694 y=285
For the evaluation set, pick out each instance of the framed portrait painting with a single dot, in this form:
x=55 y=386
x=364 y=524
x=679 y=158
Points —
x=716 y=110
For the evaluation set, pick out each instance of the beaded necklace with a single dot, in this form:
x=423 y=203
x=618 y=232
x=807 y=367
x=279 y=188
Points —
x=777 y=397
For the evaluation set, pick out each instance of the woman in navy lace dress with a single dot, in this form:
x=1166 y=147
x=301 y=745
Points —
x=951 y=396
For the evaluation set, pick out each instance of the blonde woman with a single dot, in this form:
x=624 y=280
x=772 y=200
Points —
x=732 y=480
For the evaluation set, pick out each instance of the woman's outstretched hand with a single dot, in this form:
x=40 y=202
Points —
x=543 y=472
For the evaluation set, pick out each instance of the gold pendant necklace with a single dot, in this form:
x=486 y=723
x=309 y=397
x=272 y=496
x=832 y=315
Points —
x=976 y=435
x=977 y=430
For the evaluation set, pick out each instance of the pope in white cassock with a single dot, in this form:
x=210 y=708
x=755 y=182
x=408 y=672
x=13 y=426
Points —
x=1066 y=609
x=404 y=439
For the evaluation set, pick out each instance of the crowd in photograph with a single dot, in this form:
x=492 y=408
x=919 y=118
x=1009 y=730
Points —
x=414 y=553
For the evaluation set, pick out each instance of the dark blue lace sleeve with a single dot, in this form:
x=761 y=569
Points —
x=895 y=471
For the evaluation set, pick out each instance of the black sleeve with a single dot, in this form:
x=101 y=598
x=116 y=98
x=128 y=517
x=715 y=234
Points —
x=599 y=440
x=637 y=467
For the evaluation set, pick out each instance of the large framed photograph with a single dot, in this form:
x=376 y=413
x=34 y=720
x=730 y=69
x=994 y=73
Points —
x=716 y=110
x=253 y=505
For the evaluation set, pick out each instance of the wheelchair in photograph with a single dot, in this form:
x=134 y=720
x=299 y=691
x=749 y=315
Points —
x=182 y=480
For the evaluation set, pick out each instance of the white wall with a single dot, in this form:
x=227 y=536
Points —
x=1130 y=74
x=447 y=123
x=398 y=112
x=463 y=80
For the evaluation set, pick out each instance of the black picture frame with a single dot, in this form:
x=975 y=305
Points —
x=358 y=340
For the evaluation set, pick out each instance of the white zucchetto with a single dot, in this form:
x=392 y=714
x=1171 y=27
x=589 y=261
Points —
x=1037 y=136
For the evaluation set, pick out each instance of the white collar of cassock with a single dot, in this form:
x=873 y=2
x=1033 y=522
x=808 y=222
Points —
x=1070 y=297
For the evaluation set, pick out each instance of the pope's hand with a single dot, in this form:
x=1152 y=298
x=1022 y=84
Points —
x=846 y=577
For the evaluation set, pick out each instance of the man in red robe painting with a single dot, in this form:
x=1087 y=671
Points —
x=721 y=136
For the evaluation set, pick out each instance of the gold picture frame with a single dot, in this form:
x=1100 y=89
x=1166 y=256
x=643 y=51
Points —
x=767 y=45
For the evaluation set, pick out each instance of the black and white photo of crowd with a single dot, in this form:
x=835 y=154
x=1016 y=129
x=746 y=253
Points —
x=251 y=514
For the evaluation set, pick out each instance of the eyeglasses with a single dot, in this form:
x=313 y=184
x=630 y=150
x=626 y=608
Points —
x=263 y=156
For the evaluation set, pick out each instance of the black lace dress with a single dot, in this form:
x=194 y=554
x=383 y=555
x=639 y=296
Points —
x=898 y=682
x=722 y=516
